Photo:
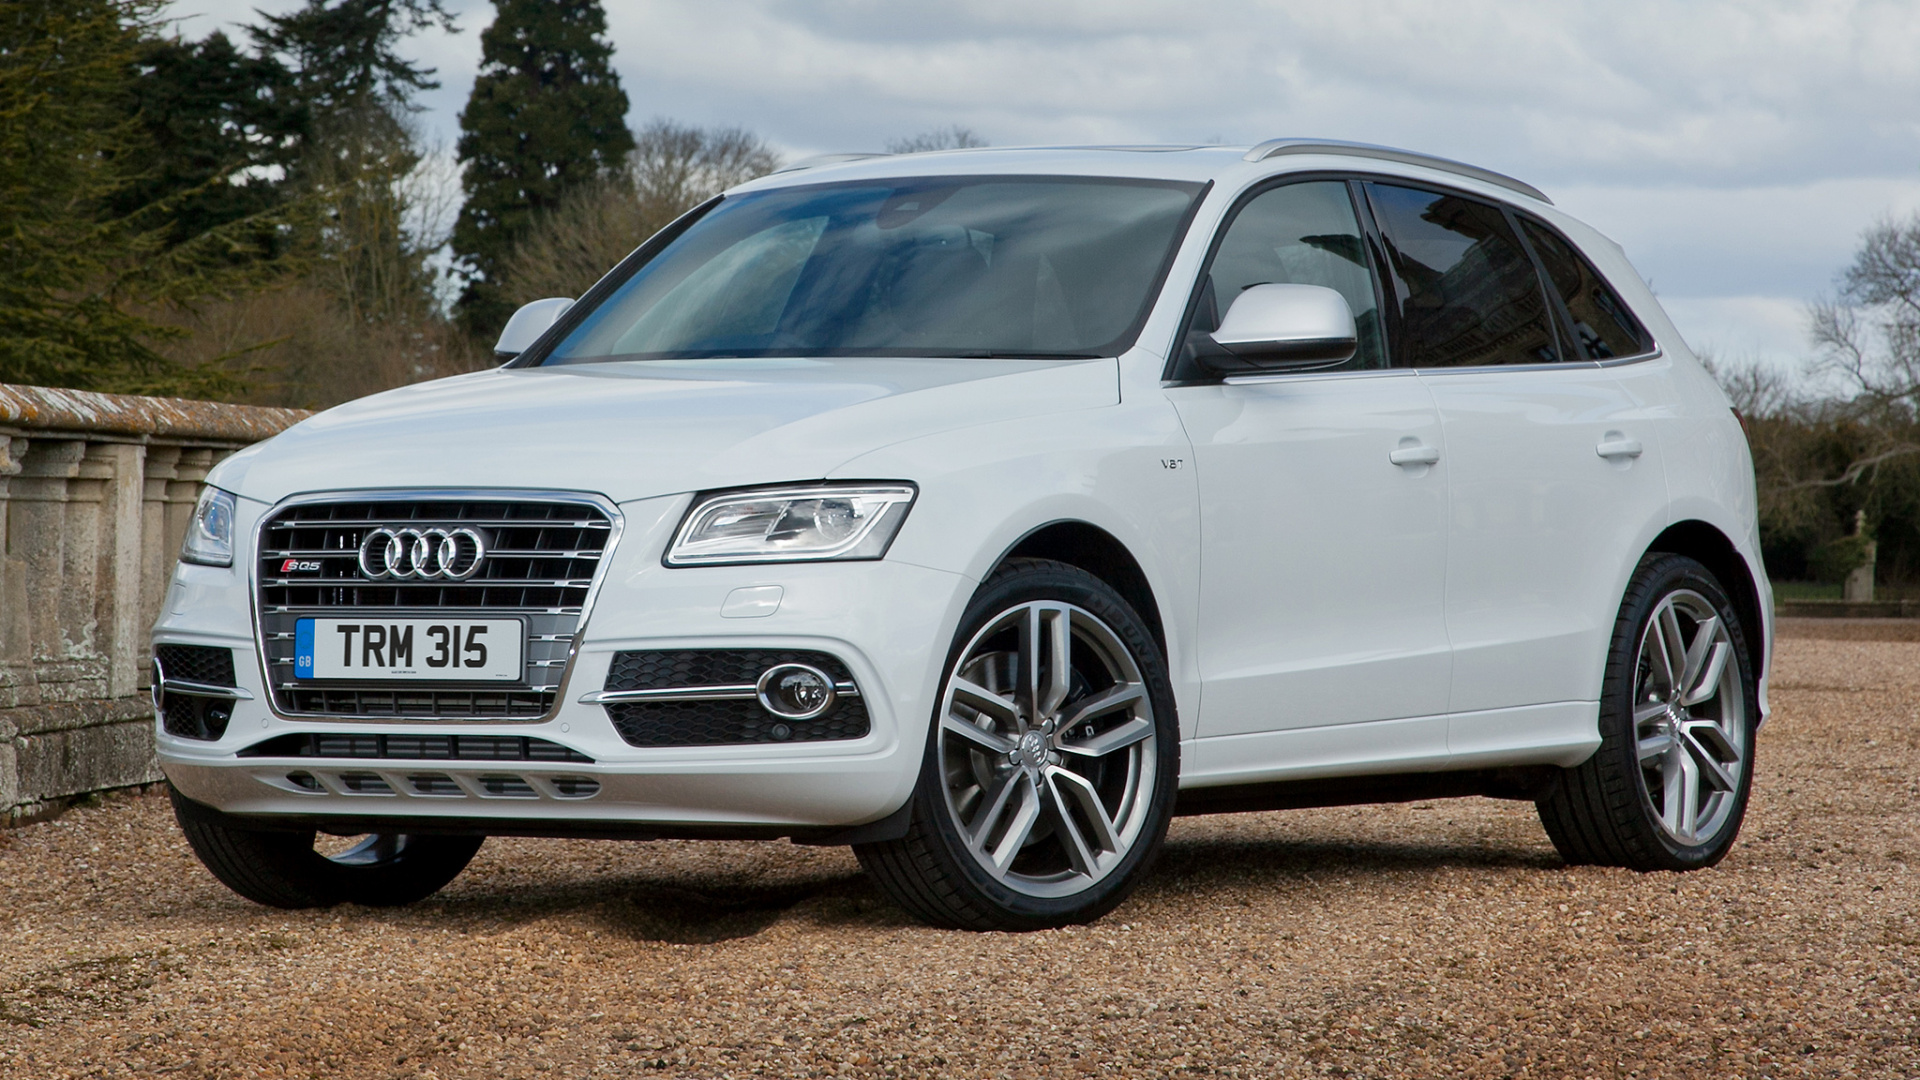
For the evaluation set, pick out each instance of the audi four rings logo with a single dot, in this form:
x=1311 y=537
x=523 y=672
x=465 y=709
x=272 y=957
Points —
x=422 y=554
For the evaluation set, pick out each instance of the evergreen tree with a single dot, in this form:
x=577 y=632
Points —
x=342 y=54
x=546 y=114
x=218 y=132
x=82 y=257
x=352 y=176
x=149 y=185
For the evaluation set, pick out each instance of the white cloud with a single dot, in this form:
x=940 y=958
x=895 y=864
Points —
x=1734 y=147
x=1770 y=330
x=1780 y=239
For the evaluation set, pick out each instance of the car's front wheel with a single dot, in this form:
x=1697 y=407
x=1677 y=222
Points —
x=1668 y=787
x=300 y=869
x=1049 y=774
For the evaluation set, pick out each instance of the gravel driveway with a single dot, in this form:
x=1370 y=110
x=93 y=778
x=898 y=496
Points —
x=1428 y=939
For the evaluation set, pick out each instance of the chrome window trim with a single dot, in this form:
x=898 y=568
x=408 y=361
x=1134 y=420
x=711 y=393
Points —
x=1487 y=369
x=1484 y=369
x=1638 y=358
x=1289 y=376
x=616 y=524
x=1481 y=369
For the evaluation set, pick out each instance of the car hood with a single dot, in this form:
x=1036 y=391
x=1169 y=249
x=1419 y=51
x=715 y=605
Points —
x=638 y=429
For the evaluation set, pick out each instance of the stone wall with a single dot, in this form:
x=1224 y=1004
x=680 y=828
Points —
x=95 y=493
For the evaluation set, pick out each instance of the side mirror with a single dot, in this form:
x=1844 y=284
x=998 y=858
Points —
x=528 y=324
x=1284 y=328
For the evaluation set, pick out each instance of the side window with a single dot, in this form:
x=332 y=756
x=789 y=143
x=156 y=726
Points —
x=1299 y=234
x=1601 y=322
x=1469 y=294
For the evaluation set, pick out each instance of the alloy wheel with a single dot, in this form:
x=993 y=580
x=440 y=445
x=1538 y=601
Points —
x=1047 y=749
x=1689 y=719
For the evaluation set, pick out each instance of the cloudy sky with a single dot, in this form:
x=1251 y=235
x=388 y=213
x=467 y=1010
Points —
x=1736 y=149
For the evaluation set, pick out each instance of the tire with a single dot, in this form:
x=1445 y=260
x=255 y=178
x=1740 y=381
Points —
x=282 y=869
x=1668 y=787
x=1043 y=798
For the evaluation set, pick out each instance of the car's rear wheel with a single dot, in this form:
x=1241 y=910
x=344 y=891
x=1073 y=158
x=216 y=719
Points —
x=1050 y=771
x=1668 y=788
x=304 y=868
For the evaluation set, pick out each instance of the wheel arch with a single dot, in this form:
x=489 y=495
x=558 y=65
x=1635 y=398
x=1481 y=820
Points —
x=1707 y=545
x=1100 y=553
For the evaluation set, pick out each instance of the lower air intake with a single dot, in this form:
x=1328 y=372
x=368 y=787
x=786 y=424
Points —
x=416 y=747
x=717 y=720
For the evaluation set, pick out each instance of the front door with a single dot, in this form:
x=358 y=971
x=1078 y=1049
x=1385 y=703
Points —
x=1322 y=560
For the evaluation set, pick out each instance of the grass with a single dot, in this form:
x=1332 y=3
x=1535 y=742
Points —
x=1820 y=590
x=1806 y=590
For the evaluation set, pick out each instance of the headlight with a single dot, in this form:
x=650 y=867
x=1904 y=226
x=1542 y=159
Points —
x=209 y=539
x=796 y=524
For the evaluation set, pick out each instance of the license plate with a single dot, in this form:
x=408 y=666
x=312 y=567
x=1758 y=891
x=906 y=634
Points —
x=411 y=650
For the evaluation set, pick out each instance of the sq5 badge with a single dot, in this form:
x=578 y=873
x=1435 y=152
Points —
x=300 y=566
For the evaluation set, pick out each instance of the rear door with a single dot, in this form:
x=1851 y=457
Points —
x=1552 y=470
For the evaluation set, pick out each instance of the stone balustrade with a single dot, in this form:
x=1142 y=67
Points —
x=95 y=494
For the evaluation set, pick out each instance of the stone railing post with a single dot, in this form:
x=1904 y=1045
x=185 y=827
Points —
x=118 y=600
x=16 y=626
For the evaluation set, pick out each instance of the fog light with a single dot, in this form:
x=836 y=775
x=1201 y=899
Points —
x=795 y=691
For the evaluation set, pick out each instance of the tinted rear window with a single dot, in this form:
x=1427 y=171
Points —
x=1470 y=294
x=1602 y=324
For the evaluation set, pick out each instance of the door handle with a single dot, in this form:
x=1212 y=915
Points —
x=1615 y=445
x=1417 y=454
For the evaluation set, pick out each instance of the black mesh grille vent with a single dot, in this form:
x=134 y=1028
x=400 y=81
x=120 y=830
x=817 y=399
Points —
x=196 y=663
x=188 y=716
x=435 y=784
x=722 y=722
x=508 y=787
x=674 y=669
x=542 y=558
x=415 y=747
x=191 y=717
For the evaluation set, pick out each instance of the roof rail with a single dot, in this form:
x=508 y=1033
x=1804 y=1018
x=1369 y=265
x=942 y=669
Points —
x=1280 y=147
x=818 y=160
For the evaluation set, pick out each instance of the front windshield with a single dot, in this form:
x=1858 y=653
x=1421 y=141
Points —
x=966 y=267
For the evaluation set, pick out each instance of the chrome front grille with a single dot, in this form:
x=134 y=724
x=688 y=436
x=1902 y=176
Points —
x=544 y=554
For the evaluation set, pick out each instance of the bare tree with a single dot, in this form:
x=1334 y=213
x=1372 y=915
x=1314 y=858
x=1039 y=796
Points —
x=673 y=168
x=1870 y=338
x=951 y=137
x=1837 y=457
x=1870 y=335
x=1755 y=389
x=679 y=167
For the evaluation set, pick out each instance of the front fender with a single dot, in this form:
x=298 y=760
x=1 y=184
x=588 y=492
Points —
x=1125 y=469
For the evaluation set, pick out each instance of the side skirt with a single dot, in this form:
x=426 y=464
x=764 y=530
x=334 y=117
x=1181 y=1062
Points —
x=1525 y=782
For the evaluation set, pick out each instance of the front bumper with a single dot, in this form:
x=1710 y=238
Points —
x=888 y=622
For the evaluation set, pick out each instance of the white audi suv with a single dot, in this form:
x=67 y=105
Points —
x=982 y=510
